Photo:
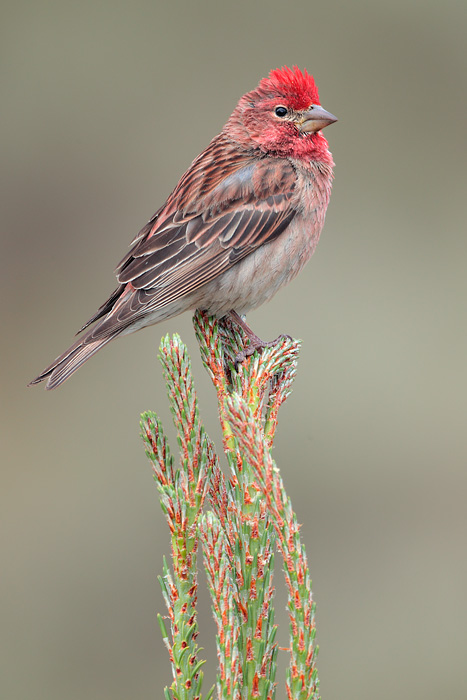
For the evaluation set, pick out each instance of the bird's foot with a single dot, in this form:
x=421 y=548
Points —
x=256 y=344
x=257 y=347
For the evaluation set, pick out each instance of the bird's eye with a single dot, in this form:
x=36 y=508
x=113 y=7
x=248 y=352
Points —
x=281 y=111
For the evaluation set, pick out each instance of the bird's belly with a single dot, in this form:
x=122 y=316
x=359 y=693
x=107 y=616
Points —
x=256 y=278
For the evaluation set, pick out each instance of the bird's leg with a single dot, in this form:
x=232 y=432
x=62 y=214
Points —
x=256 y=344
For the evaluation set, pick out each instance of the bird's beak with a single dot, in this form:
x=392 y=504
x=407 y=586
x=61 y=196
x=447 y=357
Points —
x=315 y=118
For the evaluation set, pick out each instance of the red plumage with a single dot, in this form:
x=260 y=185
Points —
x=299 y=86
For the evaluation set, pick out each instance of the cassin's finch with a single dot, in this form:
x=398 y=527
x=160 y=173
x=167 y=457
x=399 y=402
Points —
x=242 y=221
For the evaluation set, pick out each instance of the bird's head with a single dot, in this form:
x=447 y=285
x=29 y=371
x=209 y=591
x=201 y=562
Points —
x=282 y=116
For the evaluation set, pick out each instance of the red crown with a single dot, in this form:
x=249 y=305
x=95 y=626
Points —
x=298 y=87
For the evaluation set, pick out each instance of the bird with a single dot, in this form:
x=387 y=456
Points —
x=242 y=222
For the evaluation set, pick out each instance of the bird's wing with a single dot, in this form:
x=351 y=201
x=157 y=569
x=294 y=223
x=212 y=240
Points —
x=224 y=207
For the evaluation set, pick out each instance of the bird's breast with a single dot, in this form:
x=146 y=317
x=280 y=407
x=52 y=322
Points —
x=255 y=279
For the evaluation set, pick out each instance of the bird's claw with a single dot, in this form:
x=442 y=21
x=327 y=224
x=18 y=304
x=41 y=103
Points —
x=257 y=347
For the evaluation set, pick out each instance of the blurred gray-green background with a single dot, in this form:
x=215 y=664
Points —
x=104 y=104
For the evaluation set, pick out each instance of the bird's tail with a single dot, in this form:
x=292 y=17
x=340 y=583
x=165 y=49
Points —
x=65 y=365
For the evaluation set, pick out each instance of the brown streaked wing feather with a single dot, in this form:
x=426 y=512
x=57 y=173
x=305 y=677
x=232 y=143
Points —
x=225 y=206
x=214 y=164
x=105 y=308
x=231 y=236
x=200 y=266
x=142 y=235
